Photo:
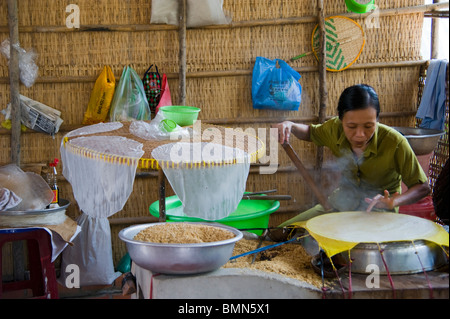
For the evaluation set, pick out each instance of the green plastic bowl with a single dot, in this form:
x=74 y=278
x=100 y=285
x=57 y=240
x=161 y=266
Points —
x=250 y=213
x=182 y=115
x=360 y=7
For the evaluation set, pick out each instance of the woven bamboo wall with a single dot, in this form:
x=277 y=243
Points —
x=219 y=64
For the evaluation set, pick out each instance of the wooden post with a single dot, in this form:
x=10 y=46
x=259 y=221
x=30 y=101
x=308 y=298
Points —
x=435 y=36
x=162 y=195
x=14 y=81
x=182 y=51
x=323 y=93
x=18 y=248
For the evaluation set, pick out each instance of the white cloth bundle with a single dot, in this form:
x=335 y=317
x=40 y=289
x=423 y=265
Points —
x=199 y=12
x=8 y=199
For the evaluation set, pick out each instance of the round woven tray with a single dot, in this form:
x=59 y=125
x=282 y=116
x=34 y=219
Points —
x=344 y=42
x=252 y=145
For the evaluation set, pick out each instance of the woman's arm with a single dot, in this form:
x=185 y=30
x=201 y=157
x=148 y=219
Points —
x=301 y=131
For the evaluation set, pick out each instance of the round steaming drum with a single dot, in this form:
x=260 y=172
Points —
x=405 y=244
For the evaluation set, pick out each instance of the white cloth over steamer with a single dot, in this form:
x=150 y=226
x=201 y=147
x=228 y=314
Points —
x=208 y=178
x=101 y=186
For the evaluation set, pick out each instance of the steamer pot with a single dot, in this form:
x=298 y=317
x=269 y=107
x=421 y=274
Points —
x=179 y=259
x=400 y=257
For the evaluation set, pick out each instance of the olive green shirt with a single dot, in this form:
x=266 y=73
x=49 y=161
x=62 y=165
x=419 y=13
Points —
x=386 y=162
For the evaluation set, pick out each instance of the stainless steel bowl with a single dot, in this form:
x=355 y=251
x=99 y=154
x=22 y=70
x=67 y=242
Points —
x=423 y=141
x=25 y=218
x=179 y=259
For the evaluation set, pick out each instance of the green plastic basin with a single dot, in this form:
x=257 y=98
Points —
x=250 y=213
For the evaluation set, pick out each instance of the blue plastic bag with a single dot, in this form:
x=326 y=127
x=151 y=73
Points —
x=275 y=85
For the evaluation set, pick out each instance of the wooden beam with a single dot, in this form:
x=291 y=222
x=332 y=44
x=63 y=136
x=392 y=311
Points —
x=213 y=74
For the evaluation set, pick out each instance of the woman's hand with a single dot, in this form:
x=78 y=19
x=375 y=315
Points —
x=411 y=196
x=284 y=131
x=382 y=202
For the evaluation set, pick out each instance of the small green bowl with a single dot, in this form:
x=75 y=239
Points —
x=182 y=115
x=361 y=8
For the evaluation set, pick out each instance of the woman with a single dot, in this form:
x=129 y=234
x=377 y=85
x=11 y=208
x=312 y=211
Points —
x=373 y=158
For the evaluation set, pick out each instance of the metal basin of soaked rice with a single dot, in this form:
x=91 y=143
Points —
x=180 y=248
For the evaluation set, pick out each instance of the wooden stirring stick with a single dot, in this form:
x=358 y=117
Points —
x=296 y=160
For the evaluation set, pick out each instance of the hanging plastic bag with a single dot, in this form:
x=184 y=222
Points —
x=275 y=85
x=129 y=101
x=165 y=99
x=152 y=86
x=29 y=71
x=101 y=97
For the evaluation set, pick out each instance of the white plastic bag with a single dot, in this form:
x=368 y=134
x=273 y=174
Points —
x=155 y=130
x=28 y=68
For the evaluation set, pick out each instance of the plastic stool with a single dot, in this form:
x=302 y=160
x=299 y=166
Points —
x=42 y=280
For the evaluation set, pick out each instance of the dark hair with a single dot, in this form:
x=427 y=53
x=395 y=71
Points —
x=358 y=97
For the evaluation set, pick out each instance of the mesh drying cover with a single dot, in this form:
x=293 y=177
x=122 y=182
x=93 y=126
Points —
x=208 y=178
x=338 y=232
x=96 y=128
x=101 y=185
x=101 y=170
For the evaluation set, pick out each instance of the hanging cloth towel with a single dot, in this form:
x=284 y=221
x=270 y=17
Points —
x=432 y=106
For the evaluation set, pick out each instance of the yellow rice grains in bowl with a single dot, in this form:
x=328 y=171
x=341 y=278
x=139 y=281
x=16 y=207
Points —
x=183 y=233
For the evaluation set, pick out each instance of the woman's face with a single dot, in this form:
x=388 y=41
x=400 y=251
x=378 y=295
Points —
x=359 y=127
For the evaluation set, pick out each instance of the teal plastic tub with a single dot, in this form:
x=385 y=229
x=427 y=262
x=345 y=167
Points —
x=250 y=213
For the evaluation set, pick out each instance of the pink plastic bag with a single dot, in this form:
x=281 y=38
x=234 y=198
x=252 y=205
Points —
x=165 y=94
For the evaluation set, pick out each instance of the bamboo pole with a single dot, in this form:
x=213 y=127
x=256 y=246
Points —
x=14 y=81
x=182 y=52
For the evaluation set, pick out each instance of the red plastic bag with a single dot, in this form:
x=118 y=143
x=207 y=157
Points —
x=165 y=99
